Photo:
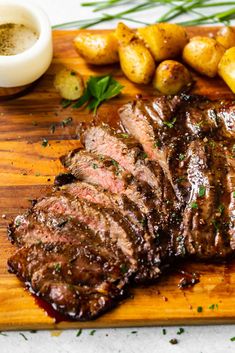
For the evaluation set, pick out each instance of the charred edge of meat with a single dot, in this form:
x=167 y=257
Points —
x=64 y=179
x=64 y=159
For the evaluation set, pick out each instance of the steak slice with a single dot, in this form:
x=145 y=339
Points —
x=127 y=152
x=77 y=282
x=144 y=122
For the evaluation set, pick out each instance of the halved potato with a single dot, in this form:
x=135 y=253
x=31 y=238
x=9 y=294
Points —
x=226 y=68
x=226 y=37
x=69 y=84
x=97 y=49
x=203 y=54
x=171 y=76
x=164 y=40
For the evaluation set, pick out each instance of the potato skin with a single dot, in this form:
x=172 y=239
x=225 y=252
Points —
x=226 y=68
x=136 y=62
x=226 y=37
x=203 y=54
x=171 y=76
x=69 y=84
x=164 y=40
x=97 y=49
x=124 y=34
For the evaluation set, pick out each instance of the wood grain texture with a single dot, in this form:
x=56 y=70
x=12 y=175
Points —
x=27 y=170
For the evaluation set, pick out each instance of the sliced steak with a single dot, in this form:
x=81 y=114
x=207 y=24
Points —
x=76 y=281
x=127 y=152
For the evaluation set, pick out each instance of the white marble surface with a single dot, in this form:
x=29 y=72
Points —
x=201 y=339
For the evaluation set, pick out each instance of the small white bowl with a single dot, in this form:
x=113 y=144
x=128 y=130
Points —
x=26 y=67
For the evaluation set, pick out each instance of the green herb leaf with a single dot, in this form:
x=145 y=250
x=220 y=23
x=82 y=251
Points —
x=164 y=331
x=134 y=332
x=44 y=143
x=202 y=191
x=57 y=267
x=181 y=157
x=124 y=136
x=232 y=339
x=181 y=330
x=99 y=89
x=199 y=309
x=95 y=166
x=24 y=337
x=221 y=208
x=79 y=332
x=52 y=128
x=67 y=121
x=170 y=124
x=213 y=306
x=124 y=269
x=92 y=332
x=194 y=205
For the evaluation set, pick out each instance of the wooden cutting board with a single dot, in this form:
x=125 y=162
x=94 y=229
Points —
x=27 y=170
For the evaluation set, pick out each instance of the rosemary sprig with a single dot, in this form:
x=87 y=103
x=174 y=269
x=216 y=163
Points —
x=174 y=9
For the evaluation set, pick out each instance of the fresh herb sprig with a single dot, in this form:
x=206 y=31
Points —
x=174 y=9
x=98 y=89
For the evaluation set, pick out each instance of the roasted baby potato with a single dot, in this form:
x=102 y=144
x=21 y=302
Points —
x=69 y=84
x=171 y=76
x=124 y=34
x=136 y=62
x=164 y=40
x=226 y=37
x=97 y=49
x=226 y=68
x=203 y=54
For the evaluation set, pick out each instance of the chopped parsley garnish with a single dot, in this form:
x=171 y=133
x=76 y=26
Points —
x=17 y=222
x=221 y=208
x=79 y=332
x=199 y=309
x=215 y=224
x=213 y=306
x=143 y=155
x=52 y=128
x=201 y=191
x=134 y=332
x=181 y=156
x=194 y=205
x=67 y=121
x=24 y=337
x=173 y=341
x=232 y=339
x=98 y=89
x=181 y=330
x=92 y=332
x=57 y=267
x=124 y=269
x=65 y=103
x=44 y=143
x=125 y=136
x=157 y=144
x=180 y=179
x=164 y=331
x=170 y=124
x=115 y=163
x=95 y=166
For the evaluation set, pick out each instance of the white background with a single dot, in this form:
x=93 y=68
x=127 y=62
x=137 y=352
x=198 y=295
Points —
x=201 y=339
